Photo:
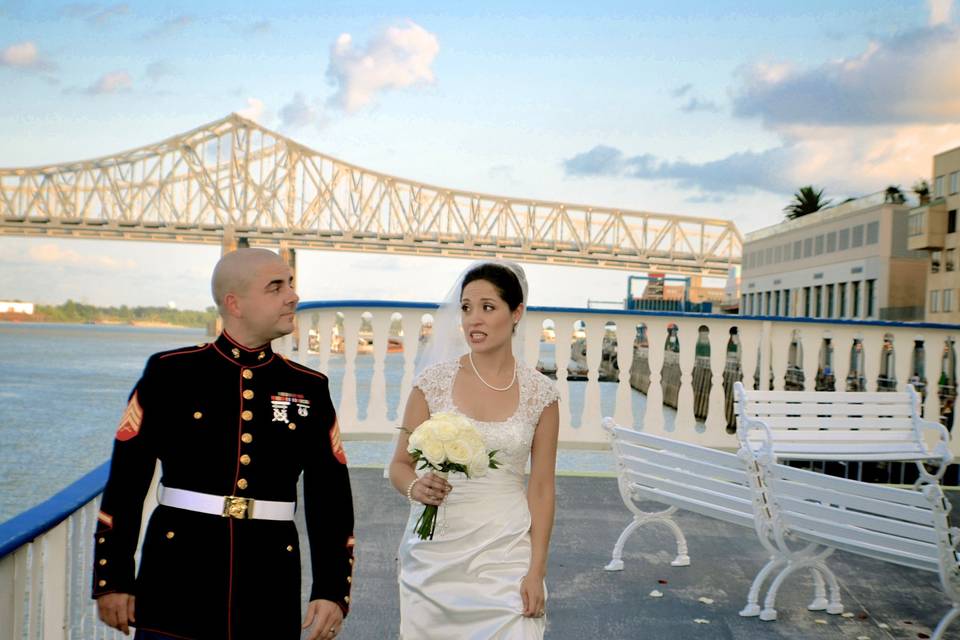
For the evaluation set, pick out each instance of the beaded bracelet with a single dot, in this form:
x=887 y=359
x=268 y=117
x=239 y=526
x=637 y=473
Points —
x=410 y=490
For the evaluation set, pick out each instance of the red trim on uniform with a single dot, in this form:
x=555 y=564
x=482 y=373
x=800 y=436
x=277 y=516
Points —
x=240 y=364
x=106 y=519
x=336 y=443
x=166 y=633
x=262 y=347
x=130 y=421
x=304 y=369
x=185 y=351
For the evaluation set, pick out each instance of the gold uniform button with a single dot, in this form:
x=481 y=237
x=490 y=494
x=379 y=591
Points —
x=101 y=540
x=170 y=535
x=247 y=374
x=292 y=426
x=349 y=579
x=242 y=483
x=351 y=562
x=289 y=547
x=346 y=599
x=247 y=415
x=102 y=562
x=102 y=583
x=247 y=438
x=244 y=459
x=248 y=394
x=197 y=415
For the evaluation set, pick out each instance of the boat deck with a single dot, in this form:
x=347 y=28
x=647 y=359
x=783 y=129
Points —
x=586 y=601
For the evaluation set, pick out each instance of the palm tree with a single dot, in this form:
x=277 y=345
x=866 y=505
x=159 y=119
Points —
x=922 y=188
x=894 y=194
x=806 y=200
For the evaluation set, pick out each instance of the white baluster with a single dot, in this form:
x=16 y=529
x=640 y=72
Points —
x=656 y=337
x=716 y=432
x=749 y=332
x=933 y=350
x=411 y=323
x=325 y=321
x=843 y=336
x=781 y=335
x=347 y=411
x=626 y=332
x=590 y=419
x=377 y=405
x=766 y=349
x=563 y=332
x=8 y=595
x=533 y=328
x=54 y=583
x=35 y=598
x=687 y=335
x=811 y=337
x=872 y=349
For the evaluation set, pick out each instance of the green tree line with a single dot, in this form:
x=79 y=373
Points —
x=71 y=311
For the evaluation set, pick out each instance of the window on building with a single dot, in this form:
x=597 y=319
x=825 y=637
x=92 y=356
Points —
x=786 y=302
x=951 y=221
x=818 y=245
x=796 y=250
x=947 y=300
x=768 y=255
x=855 y=299
x=938 y=187
x=766 y=300
x=857 y=236
x=818 y=300
x=915 y=223
x=831 y=242
x=776 y=303
x=807 y=247
x=806 y=302
x=843 y=239
x=951 y=260
x=954 y=180
x=869 y=295
x=934 y=301
x=873 y=232
x=787 y=251
x=830 y=300
x=842 y=304
x=935 y=261
x=743 y=304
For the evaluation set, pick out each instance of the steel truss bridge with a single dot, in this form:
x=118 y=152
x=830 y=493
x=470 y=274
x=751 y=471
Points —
x=235 y=180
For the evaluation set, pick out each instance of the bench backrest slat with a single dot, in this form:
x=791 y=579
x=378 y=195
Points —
x=867 y=397
x=693 y=498
x=831 y=423
x=836 y=408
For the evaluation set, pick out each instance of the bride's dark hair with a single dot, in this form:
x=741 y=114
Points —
x=502 y=279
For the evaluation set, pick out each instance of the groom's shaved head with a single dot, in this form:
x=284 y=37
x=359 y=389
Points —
x=236 y=269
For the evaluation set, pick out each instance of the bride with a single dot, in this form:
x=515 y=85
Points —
x=482 y=575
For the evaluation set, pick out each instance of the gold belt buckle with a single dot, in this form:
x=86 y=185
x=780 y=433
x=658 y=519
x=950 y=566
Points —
x=237 y=507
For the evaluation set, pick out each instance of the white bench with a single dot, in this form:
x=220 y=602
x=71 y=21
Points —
x=843 y=426
x=900 y=526
x=716 y=484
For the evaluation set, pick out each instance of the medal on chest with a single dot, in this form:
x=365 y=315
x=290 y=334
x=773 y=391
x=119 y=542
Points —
x=284 y=403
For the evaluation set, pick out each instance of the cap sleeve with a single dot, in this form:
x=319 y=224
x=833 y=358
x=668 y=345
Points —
x=434 y=382
x=543 y=394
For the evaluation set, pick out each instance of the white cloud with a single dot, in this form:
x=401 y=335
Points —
x=169 y=27
x=906 y=79
x=299 y=113
x=397 y=58
x=54 y=254
x=24 y=55
x=939 y=11
x=255 y=110
x=160 y=69
x=113 y=82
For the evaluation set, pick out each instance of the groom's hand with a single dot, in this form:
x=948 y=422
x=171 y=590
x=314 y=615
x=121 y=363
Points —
x=326 y=618
x=117 y=610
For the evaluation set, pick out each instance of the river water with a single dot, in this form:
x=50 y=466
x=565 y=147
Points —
x=63 y=388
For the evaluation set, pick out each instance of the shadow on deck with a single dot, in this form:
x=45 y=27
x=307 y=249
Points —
x=588 y=602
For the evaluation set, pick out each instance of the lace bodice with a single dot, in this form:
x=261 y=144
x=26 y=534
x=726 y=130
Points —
x=512 y=437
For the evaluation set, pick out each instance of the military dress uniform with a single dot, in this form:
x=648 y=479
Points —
x=233 y=429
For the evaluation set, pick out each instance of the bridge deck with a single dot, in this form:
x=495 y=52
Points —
x=588 y=602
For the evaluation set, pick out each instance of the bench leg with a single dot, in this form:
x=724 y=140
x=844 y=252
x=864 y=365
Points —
x=820 y=569
x=820 y=600
x=753 y=596
x=681 y=560
x=945 y=622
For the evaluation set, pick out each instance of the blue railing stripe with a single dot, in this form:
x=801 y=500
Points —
x=386 y=304
x=30 y=524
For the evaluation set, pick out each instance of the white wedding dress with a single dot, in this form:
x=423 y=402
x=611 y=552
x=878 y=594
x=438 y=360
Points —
x=465 y=583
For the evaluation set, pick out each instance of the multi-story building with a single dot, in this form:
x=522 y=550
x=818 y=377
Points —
x=848 y=261
x=933 y=228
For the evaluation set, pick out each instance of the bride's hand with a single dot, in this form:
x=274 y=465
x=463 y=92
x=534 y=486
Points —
x=534 y=599
x=431 y=489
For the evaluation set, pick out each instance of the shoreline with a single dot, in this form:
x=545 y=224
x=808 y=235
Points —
x=17 y=318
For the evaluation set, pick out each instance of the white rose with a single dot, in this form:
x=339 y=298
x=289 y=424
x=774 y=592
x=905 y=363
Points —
x=434 y=452
x=478 y=465
x=459 y=451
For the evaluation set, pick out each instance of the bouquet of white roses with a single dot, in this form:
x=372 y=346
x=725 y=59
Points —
x=447 y=442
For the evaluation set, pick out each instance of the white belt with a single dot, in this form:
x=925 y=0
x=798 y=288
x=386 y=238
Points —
x=226 y=506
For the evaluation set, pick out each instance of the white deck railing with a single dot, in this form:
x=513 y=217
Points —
x=46 y=554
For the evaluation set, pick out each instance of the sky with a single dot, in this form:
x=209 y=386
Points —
x=715 y=108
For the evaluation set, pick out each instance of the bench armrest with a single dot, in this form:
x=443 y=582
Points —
x=942 y=448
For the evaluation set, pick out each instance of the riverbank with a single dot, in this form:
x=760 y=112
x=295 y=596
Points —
x=153 y=324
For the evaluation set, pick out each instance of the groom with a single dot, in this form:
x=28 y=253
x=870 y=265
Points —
x=233 y=425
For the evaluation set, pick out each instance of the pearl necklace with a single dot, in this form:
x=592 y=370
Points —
x=487 y=384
